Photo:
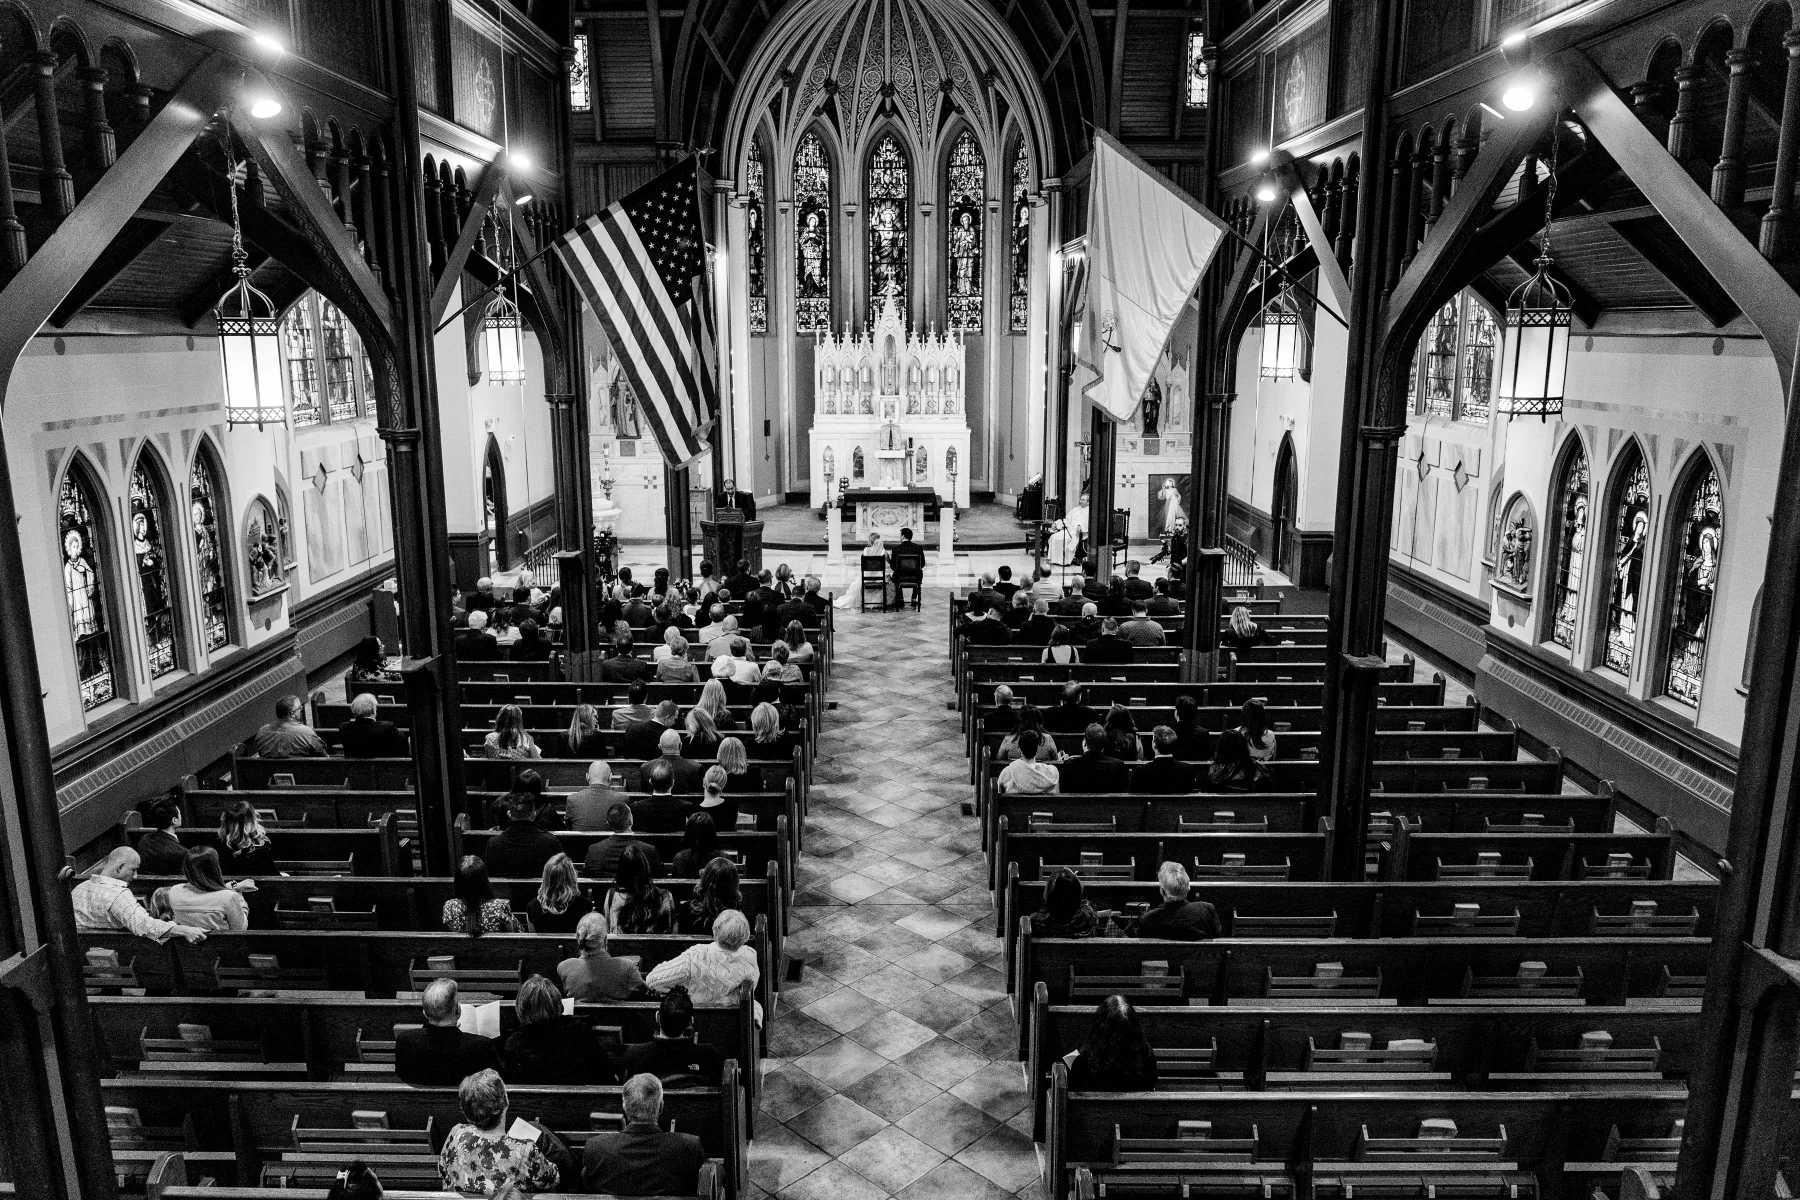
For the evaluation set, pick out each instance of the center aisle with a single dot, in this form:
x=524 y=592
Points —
x=893 y=1067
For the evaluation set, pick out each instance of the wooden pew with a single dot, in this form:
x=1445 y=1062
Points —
x=1153 y=693
x=255 y=1120
x=180 y=1176
x=1548 y=855
x=374 y=849
x=1305 y=856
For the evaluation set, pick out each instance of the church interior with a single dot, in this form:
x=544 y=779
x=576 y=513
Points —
x=544 y=489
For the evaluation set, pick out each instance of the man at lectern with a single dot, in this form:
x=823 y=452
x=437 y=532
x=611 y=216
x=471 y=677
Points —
x=729 y=497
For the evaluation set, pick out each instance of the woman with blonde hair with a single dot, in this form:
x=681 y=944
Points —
x=771 y=740
x=560 y=903
x=1242 y=633
x=714 y=802
x=509 y=739
x=247 y=848
x=583 y=739
x=713 y=700
x=800 y=647
x=717 y=973
x=734 y=761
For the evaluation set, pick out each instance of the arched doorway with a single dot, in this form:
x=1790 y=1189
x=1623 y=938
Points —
x=1282 y=508
x=493 y=506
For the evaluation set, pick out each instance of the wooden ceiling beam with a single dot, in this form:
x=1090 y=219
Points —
x=126 y=247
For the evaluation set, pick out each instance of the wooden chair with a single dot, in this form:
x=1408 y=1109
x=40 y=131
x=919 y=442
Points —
x=874 y=575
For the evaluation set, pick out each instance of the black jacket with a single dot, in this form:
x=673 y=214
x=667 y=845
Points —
x=642 y=1160
x=520 y=851
x=1085 y=630
x=660 y=814
x=1093 y=773
x=1194 y=745
x=690 y=776
x=441 y=1055
x=666 y=1058
x=1160 y=605
x=625 y=668
x=476 y=646
x=641 y=738
x=1069 y=718
x=1107 y=648
x=562 y=1050
x=742 y=587
x=1180 y=920
x=1138 y=588
x=908 y=558
x=1165 y=776
x=986 y=632
x=365 y=737
x=797 y=610
x=161 y=853
x=1035 y=630
x=539 y=650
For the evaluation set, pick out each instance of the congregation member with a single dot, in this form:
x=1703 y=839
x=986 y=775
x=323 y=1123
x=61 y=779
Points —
x=780 y=668
x=717 y=972
x=439 y=1053
x=817 y=599
x=1089 y=627
x=1243 y=633
x=767 y=733
x=734 y=760
x=718 y=889
x=203 y=900
x=161 y=851
x=985 y=593
x=1164 y=774
x=550 y=1047
x=673 y=1054
x=636 y=903
x=1045 y=587
x=669 y=636
x=1253 y=723
x=602 y=859
x=1066 y=912
x=684 y=775
x=509 y=738
x=716 y=625
x=1016 y=613
x=1070 y=713
x=476 y=644
x=699 y=843
x=676 y=668
x=983 y=626
x=288 y=735
x=714 y=800
x=1193 y=740
x=520 y=850
x=483 y=1156
x=560 y=904
x=1116 y=1056
x=743 y=584
x=1031 y=719
x=1005 y=585
x=1178 y=918
x=355 y=1182
x=1025 y=775
x=473 y=908
x=1234 y=768
x=370 y=663
x=1136 y=587
x=641 y=1159
x=246 y=848
x=725 y=641
x=643 y=739
x=104 y=903
x=365 y=735
x=1122 y=741
x=593 y=976
x=1062 y=650
x=1141 y=630
x=636 y=706
x=622 y=665
x=1109 y=648
x=1162 y=604
x=583 y=738
x=530 y=647
x=796 y=611
x=1093 y=770
x=1036 y=629
x=587 y=806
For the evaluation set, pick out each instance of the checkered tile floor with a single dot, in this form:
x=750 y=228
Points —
x=893 y=1068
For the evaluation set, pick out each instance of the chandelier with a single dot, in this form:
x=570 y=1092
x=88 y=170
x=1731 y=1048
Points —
x=1534 y=360
x=249 y=346
x=500 y=336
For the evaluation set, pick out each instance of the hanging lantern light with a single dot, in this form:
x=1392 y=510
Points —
x=500 y=335
x=1534 y=360
x=249 y=345
x=1281 y=340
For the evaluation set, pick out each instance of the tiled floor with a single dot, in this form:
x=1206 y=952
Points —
x=892 y=1068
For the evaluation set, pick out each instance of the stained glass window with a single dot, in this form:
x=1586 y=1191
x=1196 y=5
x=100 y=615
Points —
x=86 y=593
x=753 y=250
x=1198 y=78
x=1571 y=549
x=299 y=341
x=812 y=235
x=1439 y=390
x=1631 y=536
x=1696 y=575
x=967 y=186
x=889 y=184
x=580 y=97
x=1020 y=291
x=1481 y=335
x=148 y=521
x=340 y=366
x=284 y=530
x=209 y=562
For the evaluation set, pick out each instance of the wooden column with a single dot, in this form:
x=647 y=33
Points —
x=1646 y=101
x=13 y=248
x=1681 y=124
x=1774 y=240
x=1103 y=457
x=679 y=524
x=54 y=182
x=102 y=147
x=410 y=427
x=1728 y=172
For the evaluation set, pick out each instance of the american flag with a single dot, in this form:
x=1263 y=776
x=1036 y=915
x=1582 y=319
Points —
x=641 y=265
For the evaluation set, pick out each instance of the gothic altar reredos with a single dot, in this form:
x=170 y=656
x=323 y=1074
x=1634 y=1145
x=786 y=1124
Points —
x=888 y=410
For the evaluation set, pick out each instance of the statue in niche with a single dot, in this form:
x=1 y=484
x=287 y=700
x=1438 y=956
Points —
x=890 y=437
x=890 y=370
x=1515 y=552
x=830 y=468
x=1152 y=410
x=857 y=470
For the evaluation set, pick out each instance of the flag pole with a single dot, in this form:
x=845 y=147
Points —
x=502 y=280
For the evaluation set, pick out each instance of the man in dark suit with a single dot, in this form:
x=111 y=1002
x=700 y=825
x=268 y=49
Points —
x=362 y=736
x=984 y=591
x=743 y=583
x=673 y=1053
x=982 y=627
x=1162 y=604
x=439 y=1054
x=1136 y=586
x=476 y=644
x=642 y=1160
x=685 y=774
x=819 y=600
x=1109 y=647
x=623 y=666
x=1003 y=717
x=1164 y=775
x=908 y=558
x=661 y=811
x=729 y=497
x=602 y=861
x=1177 y=917
x=643 y=738
x=1036 y=629
x=523 y=847
x=1017 y=611
x=1005 y=585
x=1070 y=714
x=1088 y=628
x=1094 y=770
x=797 y=609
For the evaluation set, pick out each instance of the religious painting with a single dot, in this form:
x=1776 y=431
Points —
x=1299 y=76
x=967 y=187
x=262 y=550
x=148 y=522
x=812 y=236
x=1019 y=299
x=1171 y=500
x=1630 y=545
x=754 y=178
x=83 y=589
x=1696 y=577
x=890 y=185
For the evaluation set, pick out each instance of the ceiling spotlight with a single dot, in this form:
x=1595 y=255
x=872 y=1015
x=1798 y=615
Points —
x=1259 y=158
x=263 y=106
x=522 y=199
x=1521 y=91
x=1265 y=191
x=517 y=161
x=268 y=44
x=1516 y=48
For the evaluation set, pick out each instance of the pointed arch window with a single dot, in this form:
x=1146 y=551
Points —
x=1630 y=544
x=1019 y=299
x=1696 y=576
x=1453 y=367
x=1440 y=363
x=580 y=93
x=149 y=521
x=340 y=365
x=754 y=179
x=812 y=236
x=209 y=561
x=330 y=377
x=85 y=590
x=1199 y=76
x=1571 y=548
x=299 y=346
x=965 y=188
x=284 y=529
x=890 y=184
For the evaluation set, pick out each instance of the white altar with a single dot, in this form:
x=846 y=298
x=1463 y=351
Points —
x=888 y=411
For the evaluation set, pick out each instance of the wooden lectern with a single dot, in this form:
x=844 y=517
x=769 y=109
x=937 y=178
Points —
x=727 y=538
